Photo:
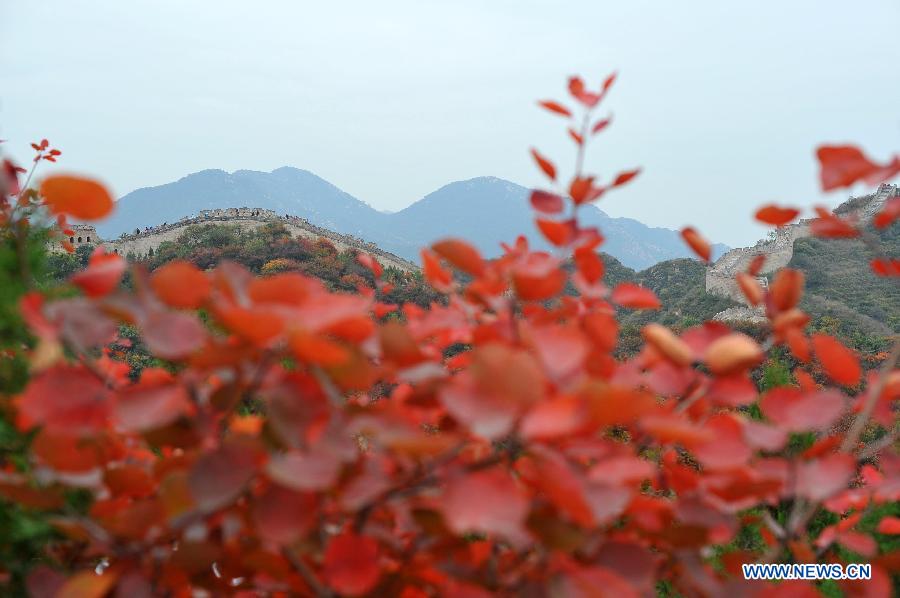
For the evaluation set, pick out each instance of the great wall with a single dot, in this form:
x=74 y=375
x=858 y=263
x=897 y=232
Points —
x=143 y=241
x=778 y=249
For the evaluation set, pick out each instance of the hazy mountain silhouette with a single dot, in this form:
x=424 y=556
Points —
x=484 y=210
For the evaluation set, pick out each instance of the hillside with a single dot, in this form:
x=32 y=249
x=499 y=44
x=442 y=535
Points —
x=484 y=210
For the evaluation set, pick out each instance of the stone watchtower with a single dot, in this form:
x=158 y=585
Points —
x=83 y=234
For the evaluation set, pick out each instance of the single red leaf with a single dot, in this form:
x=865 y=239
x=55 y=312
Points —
x=500 y=509
x=776 y=215
x=559 y=233
x=461 y=254
x=698 y=244
x=67 y=400
x=102 y=275
x=843 y=165
x=600 y=125
x=180 y=284
x=545 y=165
x=546 y=202
x=218 y=477
x=839 y=362
x=82 y=198
x=555 y=107
x=624 y=177
x=351 y=564
x=822 y=478
x=797 y=411
x=889 y=525
x=633 y=296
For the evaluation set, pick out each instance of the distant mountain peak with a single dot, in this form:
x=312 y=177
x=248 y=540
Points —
x=486 y=210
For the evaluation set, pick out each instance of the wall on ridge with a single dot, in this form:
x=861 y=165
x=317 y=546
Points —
x=780 y=249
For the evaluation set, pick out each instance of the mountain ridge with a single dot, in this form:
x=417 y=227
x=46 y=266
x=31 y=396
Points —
x=484 y=210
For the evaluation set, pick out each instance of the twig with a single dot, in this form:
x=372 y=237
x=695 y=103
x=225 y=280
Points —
x=308 y=575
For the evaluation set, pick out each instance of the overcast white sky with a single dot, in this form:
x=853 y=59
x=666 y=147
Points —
x=722 y=103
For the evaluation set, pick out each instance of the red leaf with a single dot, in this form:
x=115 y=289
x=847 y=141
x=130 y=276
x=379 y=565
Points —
x=351 y=564
x=750 y=288
x=461 y=254
x=560 y=234
x=309 y=470
x=66 y=399
x=776 y=215
x=633 y=296
x=666 y=343
x=889 y=525
x=180 y=284
x=435 y=274
x=839 y=362
x=500 y=509
x=787 y=288
x=589 y=264
x=147 y=406
x=218 y=477
x=580 y=189
x=624 y=177
x=546 y=202
x=172 y=335
x=282 y=516
x=820 y=479
x=576 y=137
x=555 y=107
x=843 y=165
x=888 y=214
x=79 y=197
x=538 y=277
x=600 y=125
x=698 y=244
x=544 y=164
x=796 y=411
x=87 y=584
x=102 y=275
x=885 y=266
x=829 y=226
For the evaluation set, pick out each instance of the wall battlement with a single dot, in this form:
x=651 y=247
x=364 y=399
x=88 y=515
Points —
x=142 y=241
x=779 y=249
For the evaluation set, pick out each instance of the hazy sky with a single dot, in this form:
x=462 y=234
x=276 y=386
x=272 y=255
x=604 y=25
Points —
x=721 y=103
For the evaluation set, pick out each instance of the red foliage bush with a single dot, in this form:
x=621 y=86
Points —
x=297 y=444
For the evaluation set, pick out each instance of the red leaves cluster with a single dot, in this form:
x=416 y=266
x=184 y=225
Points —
x=298 y=442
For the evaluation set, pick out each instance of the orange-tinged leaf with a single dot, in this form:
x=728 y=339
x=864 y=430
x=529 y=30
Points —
x=180 y=284
x=538 y=277
x=751 y=289
x=435 y=274
x=787 y=288
x=624 y=177
x=888 y=214
x=756 y=264
x=559 y=233
x=589 y=264
x=87 y=584
x=633 y=296
x=351 y=564
x=732 y=353
x=839 y=362
x=461 y=254
x=829 y=226
x=776 y=215
x=698 y=244
x=544 y=164
x=555 y=107
x=580 y=189
x=317 y=349
x=82 y=198
x=664 y=340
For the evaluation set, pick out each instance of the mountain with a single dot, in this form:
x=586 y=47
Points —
x=486 y=211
